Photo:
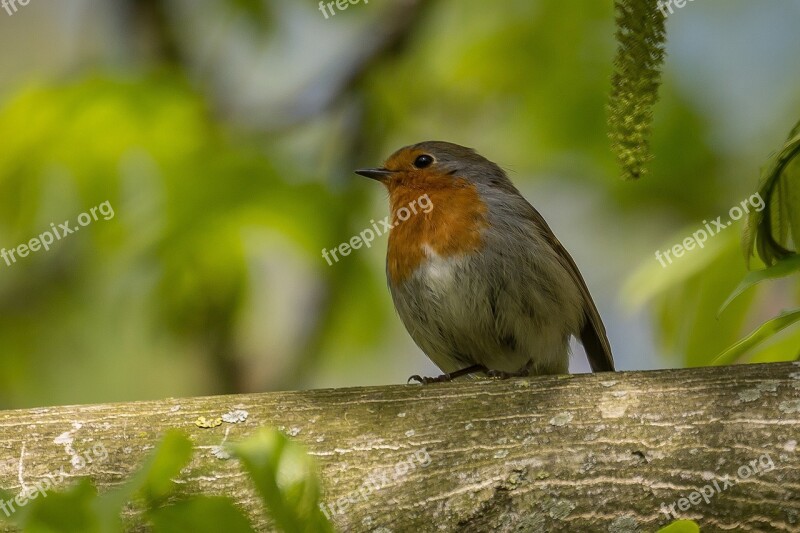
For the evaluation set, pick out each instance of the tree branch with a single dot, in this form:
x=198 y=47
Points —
x=596 y=452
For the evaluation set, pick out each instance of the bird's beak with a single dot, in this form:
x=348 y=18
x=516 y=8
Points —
x=378 y=174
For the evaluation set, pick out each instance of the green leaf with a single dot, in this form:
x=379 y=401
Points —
x=203 y=514
x=681 y=526
x=154 y=480
x=782 y=350
x=283 y=473
x=172 y=455
x=791 y=188
x=640 y=55
x=286 y=479
x=80 y=509
x=767 y=230
x=63 y=512
x=782 y=268
x=763 y=332
x=6 y=496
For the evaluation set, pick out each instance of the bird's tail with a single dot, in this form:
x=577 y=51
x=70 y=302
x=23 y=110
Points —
x=595 y=342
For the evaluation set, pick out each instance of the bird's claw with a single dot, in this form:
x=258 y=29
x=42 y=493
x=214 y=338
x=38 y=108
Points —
x=422 y=380
x=499 y=374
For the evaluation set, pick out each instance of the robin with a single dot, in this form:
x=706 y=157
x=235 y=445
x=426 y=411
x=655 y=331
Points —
x=480 y=281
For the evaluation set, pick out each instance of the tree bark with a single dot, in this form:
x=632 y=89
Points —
x=603 y=452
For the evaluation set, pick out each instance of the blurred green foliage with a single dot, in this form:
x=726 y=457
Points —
x=681 y=526
x=770 y=233
x=226 y=147
x=283 y=474
x=184 y=192
x=688 y=295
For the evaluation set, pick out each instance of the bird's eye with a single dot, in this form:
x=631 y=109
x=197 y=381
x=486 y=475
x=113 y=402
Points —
x=423 y=161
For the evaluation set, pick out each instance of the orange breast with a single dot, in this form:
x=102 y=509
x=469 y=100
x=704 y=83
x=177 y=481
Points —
x=452 y=227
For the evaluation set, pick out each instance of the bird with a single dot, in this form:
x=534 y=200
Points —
x=479 y=280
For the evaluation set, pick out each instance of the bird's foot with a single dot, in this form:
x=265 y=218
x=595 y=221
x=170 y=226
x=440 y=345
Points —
x=444 y=378
x=424 y=380
x=499 y=374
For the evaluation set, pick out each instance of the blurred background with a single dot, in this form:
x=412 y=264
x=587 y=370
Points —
x=223 y=133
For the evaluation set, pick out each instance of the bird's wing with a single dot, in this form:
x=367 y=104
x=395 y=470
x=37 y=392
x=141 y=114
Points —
x=593 y=334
